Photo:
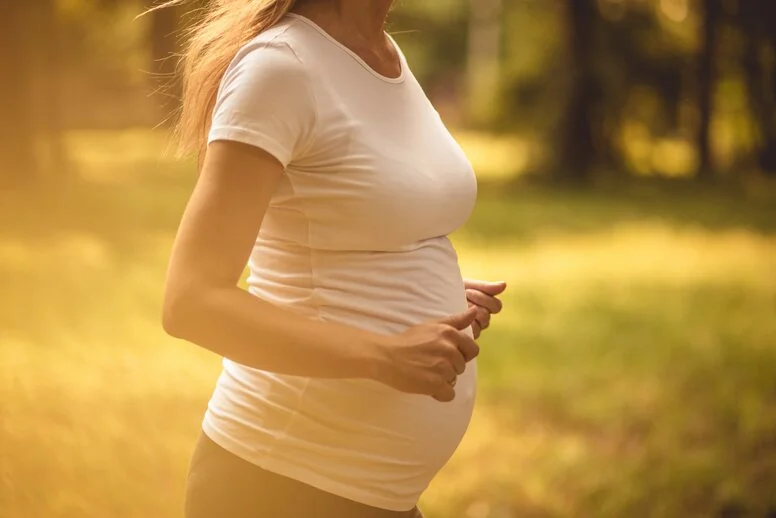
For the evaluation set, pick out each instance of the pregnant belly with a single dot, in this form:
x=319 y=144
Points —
x=388 y=437
x=356 y=438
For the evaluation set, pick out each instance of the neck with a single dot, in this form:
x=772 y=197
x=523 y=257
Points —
x=364 y=17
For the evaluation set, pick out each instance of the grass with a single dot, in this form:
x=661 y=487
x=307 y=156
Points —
x=632 y=373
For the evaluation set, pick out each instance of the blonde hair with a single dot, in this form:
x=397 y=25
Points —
x=222 y=28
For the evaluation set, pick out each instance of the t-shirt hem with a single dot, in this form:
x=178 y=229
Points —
x=252 y=138
x=303 y=475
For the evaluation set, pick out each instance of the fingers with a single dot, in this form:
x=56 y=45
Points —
x=445 y=394
x=460 y=348
x=466 y=345
x=458 y=361
x=476 y=329
x=469 y=348
x=489 y=288
x=483 y=319
x=484 y=300
x=445 y=377
x=463 y=320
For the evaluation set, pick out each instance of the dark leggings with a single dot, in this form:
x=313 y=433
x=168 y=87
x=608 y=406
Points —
x=222 y=485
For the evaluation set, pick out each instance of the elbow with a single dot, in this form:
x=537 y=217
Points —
x=170 y=323
x=188 y=309
x=176 y=311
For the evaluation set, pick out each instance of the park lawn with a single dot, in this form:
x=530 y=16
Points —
x=632 y=372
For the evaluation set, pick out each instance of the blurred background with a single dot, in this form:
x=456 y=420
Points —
x=626 y=154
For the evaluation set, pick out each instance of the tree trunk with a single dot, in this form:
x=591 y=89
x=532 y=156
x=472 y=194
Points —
x=767 y=158
x=17 y=150
x=484 y=60
x=164 y=48
x=757 y=25
x=706 y=82
x=49 y=77
x=577 y=147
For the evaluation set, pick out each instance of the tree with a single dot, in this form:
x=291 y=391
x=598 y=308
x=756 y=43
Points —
x=577 y=150
x=17 y=154
x=757 y=26
x=164 y=47
x=484 y=59
x=49 y=126
x=706 y=80
x=31 y=130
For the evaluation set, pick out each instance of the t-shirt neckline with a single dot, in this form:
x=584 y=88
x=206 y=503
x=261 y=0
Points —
x=399 y=79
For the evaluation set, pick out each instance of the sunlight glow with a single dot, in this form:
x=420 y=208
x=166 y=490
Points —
x=675 y=10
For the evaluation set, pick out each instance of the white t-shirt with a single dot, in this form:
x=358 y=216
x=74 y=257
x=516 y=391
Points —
x=356 y=233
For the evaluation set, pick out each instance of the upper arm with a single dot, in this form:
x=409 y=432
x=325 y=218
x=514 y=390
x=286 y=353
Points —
x=223 y=216
x=264 y=117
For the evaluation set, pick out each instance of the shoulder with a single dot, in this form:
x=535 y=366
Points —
x=266 y=98
x=274 y=51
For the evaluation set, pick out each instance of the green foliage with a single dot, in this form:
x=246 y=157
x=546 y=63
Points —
x=534 y=73
x=643 y=96
x=105 y=38
x=430 y=36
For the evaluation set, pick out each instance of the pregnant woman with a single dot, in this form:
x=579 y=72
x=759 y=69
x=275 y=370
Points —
x=349 y=364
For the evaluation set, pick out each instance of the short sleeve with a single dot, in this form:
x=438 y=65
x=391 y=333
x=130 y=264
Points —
x=266 y=100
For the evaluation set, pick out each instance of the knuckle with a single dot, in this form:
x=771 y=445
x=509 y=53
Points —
x=451 y=351
x=442 y=371
x=442 y=329
x=474 y=350
x=429 y=385
x=449 y=332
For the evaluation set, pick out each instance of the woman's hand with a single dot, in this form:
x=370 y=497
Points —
x=427 y=359
x=483 y=296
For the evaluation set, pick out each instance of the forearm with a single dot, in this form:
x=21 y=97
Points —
x=237 y=325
